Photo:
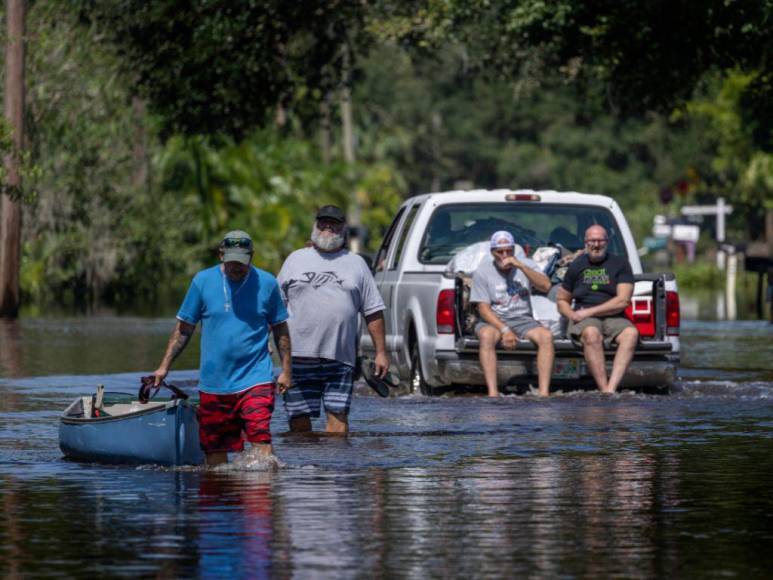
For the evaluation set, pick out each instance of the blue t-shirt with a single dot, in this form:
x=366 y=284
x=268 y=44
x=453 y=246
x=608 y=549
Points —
x=235 y=322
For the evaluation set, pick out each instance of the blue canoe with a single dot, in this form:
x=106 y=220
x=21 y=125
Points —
x=163 y=432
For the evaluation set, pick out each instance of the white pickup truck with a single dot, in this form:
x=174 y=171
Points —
x=430 y=345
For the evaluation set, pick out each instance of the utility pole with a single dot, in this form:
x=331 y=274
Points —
x=10 y=199
x=355 y=211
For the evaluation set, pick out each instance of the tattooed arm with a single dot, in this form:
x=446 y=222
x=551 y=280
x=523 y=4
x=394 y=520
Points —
x=282 y=339
x=179 y=339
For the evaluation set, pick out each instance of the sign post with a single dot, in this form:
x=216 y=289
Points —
x=719 y=210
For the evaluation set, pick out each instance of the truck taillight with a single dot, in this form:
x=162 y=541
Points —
x=446 y=315
x=672 y=314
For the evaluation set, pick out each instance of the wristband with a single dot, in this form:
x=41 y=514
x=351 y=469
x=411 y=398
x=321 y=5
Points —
x=505 y=329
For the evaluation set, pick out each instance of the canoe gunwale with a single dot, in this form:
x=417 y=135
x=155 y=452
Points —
x=65 y=420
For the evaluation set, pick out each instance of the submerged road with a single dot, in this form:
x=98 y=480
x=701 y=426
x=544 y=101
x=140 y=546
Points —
x=461 y=486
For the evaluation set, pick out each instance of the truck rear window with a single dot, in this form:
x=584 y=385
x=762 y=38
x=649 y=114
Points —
x=453 y=227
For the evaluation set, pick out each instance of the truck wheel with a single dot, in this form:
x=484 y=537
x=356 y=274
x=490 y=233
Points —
x=418 y=384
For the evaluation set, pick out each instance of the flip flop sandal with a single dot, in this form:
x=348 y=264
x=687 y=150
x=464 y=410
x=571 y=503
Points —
x=378 y=384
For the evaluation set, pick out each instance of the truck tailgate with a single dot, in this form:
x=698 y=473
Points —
x=564 y=347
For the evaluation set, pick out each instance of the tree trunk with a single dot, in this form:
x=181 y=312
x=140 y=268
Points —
x=10 y=204
x=769 y=239
x=140 y=149
x=347 y=126
x=324 y=129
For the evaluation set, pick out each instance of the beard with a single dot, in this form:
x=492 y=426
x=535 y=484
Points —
x=597 y=257
x=327 y=241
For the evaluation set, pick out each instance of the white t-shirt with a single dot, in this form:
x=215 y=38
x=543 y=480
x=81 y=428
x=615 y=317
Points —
x=325 y=293
x=508 y=293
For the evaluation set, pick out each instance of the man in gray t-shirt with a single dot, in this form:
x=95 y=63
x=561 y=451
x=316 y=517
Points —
x=326 y=288
x=502 y=290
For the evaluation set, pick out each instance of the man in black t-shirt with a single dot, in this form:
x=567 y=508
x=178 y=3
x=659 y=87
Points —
x=601 y=286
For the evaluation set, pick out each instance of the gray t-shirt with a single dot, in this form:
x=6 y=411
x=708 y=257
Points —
x=508 y=294
x=325 y=294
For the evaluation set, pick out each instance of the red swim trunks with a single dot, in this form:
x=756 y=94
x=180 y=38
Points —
x=222 y=418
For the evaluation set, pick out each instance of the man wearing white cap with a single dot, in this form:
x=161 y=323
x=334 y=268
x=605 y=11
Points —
x=502 y=290
x=237 y=305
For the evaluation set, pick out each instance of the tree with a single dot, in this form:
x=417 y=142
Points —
x=223 y=67
x=645 y=55
x=740 y=168
x=10 y=203
x=651 y=54
x=270 y=185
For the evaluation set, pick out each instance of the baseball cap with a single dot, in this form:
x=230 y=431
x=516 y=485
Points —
x=331 y=212
x=502 y=239
x=237 y=247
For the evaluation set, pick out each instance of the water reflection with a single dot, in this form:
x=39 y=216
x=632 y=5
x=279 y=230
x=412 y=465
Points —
x=10 y=348
x=236 y=505
x=629 y=510
x=76 y=346
x=704 y=304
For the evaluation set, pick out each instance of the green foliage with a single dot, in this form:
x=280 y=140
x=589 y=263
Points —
x=271 y=186
x=99 y=232
x=223 y=67
x=699 y=275
x=91 y=232
x=444 y=126
x=650 y=54
x=489 y=93
x=703 y=275
x=739 y=168
x=29 y=171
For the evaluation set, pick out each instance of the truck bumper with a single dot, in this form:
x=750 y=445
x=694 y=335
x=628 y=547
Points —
x=453 y=368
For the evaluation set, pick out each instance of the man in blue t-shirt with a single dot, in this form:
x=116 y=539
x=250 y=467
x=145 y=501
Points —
x=237 y=304
x=601 y=285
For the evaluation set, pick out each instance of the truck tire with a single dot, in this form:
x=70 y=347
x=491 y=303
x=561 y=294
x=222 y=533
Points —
x=417 y=383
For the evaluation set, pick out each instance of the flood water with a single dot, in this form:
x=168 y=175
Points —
x=575 y=486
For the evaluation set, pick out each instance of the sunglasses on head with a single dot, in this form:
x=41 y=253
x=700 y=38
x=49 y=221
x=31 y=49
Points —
x=237 y=243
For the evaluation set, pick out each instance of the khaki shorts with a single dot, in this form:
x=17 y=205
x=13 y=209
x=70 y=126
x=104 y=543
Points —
x=609 y=327
x=520 y=326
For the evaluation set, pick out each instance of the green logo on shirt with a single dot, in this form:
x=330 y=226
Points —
x=595 y=277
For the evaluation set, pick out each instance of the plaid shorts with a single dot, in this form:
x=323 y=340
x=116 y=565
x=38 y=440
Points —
x=222 y=418
x=316 y=381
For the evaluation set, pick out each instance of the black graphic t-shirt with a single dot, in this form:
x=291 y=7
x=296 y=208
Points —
x=593 y=284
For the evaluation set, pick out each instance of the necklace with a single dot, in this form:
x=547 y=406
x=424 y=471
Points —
x=228 y=299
